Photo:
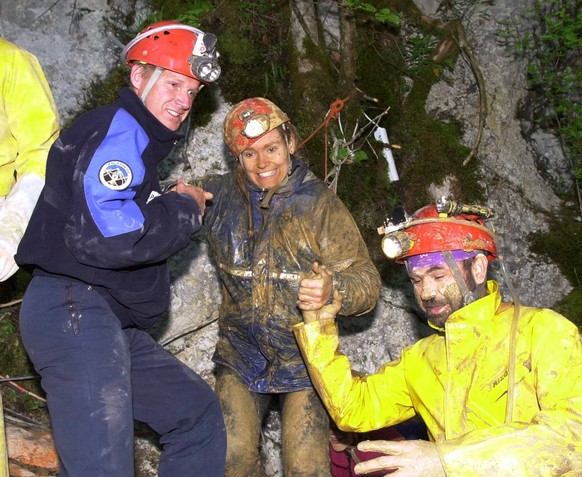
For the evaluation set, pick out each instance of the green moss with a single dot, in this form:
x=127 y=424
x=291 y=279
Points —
x=14 y=362
x=103 y=91
x=13 y=358
x=563 y=243
x=251 y=41
x=571 y=307
x=190 y=12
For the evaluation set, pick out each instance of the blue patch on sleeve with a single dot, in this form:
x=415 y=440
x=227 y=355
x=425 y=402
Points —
x=115 y=169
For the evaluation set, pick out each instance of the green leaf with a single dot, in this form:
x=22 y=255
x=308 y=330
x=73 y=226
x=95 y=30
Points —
x=385 y=15
x=360 y=157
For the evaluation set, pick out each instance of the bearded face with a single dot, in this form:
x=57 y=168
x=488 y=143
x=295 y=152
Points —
x=436 y=291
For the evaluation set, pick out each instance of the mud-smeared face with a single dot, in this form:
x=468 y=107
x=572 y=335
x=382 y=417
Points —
x=267 y=161
x=437 y=292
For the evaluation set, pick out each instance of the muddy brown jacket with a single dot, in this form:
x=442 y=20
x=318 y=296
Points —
x=264 y=243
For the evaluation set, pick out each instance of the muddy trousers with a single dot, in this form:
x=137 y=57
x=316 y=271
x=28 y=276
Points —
x=304 y=429
x=98 y=378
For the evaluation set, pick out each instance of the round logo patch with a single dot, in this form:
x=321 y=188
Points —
x=115 y=175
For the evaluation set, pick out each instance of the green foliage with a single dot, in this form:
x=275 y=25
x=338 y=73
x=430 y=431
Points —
x=553 y=50
x=31 y=403
x=190 y=12
x=11 y=394
x=571 y=307
x=13 y=359
x=101 y=92
x=562 y=243
x=383 y=15
x=194 y=11
x=6 y=329
x=348 y=156
x=418 y=50
x=253 y=48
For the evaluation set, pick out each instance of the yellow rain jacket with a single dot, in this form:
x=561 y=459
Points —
x=28 y=118
x=29 y=125
x=456 y=381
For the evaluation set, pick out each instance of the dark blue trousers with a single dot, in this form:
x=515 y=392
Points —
x=99 y=377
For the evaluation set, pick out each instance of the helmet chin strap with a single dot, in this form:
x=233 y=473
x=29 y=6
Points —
x=153 y=78
x=468 y=296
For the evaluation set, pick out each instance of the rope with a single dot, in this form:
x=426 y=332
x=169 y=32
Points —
x=332 y=113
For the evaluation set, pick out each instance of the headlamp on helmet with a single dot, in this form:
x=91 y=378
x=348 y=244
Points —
x=250 y=120
x=396 y=243
x=204 y=59
x=176 y=47
x=446 y=225
x=255 y=125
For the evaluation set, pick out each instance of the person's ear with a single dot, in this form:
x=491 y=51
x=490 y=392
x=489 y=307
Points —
x=479 y=268
x=291 y=144
x=136 y=76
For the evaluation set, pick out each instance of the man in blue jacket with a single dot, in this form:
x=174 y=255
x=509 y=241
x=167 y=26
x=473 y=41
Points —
x=97 y=243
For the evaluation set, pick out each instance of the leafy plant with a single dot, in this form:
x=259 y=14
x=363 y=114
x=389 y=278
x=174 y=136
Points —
x=190 y=12
x=383 y=15
x=193 y=12
x=553 y=49
x=418 y=52
x=346 y=149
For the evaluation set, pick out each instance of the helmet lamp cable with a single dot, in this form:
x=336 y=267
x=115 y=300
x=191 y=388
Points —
x=512 y=344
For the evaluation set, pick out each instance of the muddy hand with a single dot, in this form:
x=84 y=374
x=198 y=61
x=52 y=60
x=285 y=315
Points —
x=197 y=193
x=315 y=289
x=325 y=312
x=410 y=458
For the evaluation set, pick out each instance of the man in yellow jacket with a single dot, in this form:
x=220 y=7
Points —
x=499 y=385
x=29 y=124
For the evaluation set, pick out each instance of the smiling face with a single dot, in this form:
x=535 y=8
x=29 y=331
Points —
x=171 y=97
x=266 y=163
x=437 y=292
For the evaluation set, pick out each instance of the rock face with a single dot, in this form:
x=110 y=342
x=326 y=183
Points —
x=75 y=46
x=71 y=40
x=509 y=161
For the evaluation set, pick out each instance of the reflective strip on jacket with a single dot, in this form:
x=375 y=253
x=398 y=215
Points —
x=260 y=273
x=457 y=383
x=28 y=116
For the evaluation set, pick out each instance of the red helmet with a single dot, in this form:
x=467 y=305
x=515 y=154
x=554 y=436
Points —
x=250 y=120
x=446 y=225
x=176 y=47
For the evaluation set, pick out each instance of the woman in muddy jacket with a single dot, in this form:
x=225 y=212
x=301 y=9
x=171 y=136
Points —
x=282 y=242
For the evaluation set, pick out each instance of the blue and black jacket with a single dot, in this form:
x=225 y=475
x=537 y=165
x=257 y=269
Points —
x=102 y=218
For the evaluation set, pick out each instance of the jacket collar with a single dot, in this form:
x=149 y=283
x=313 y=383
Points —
x=154 y=128
x=292 y=183
x=479 y=311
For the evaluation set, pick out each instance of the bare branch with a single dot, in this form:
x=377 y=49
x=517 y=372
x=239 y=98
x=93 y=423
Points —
x=469 y=54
